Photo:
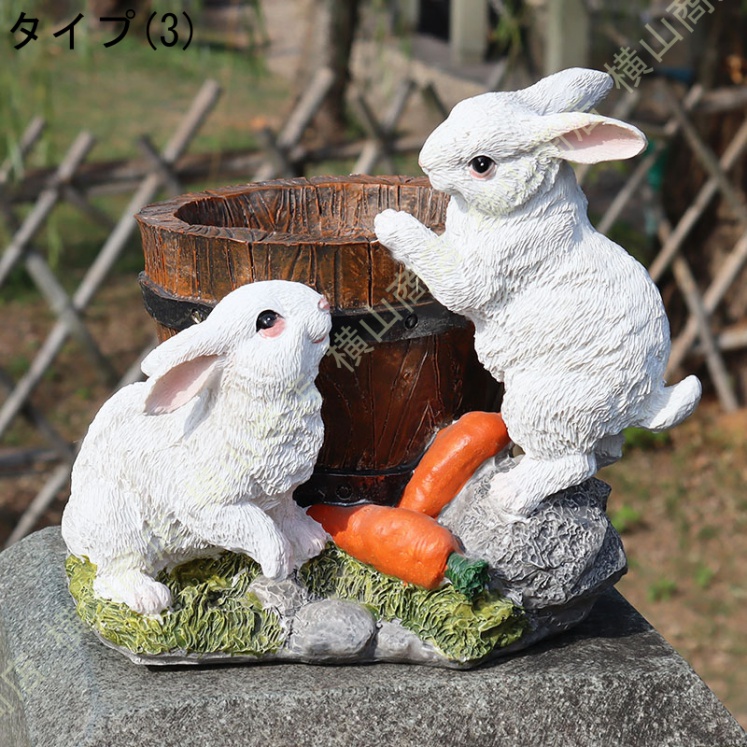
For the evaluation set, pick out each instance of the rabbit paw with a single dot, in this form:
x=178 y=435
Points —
x=397 y=230
x=305 y=537
x=508 y=502
x=514 y=495
x=275 y=559
x=310 y=542
x=138 y=591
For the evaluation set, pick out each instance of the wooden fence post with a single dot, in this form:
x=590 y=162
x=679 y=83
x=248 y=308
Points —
x=112 y=248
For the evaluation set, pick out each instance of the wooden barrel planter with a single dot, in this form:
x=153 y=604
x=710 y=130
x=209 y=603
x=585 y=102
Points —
x=400 y=365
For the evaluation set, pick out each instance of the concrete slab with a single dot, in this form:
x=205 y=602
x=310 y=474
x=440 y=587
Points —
x=612 y=681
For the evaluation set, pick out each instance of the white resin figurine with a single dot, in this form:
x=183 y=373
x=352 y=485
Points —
x=206 y=454
x=567 y=319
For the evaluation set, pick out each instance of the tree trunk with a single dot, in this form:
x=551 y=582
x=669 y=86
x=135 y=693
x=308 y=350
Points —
x=334 y=24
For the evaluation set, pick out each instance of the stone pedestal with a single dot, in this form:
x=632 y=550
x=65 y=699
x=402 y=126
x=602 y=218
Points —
x=612 y=681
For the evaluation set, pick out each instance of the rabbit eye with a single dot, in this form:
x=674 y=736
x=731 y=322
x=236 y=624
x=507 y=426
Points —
x=267 y=319
x=482 y=166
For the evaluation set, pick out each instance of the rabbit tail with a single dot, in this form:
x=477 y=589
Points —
x=670 y=405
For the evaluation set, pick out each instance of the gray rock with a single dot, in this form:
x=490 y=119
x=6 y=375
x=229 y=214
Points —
x=611 y=681
x=286 y=597
x=331 y=630
x=397 y=644
x=565 y=552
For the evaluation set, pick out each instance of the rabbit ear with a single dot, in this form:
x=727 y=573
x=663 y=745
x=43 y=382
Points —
x=590 y=138
x=574 y=90
x=205 y=338
x=181 y=383
x=182 y=366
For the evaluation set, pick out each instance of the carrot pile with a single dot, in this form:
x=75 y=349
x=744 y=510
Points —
x=406 y=541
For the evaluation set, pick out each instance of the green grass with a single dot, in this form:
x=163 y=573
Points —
x=703 y=576
x=626 y=519
x=125 y=91
x=460 y=629
x=662 y=589
x=213 y=609
x=641 y=438
x=17 y=365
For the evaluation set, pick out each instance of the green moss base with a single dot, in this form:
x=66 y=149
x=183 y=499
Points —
x=462 y=630
x=213 y=610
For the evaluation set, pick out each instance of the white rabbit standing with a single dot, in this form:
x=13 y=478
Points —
x=206 y=454
x=572 y=325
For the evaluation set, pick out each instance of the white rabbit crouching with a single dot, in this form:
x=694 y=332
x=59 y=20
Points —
x=206 y=454
x=569 y=321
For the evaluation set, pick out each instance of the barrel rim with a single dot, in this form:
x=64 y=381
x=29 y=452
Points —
x=164 y=215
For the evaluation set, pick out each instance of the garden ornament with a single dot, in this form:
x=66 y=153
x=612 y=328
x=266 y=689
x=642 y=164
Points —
x=566 y=318
x=205 y=455
x=182 y=504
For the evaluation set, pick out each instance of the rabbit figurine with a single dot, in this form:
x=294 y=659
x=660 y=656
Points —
x=205 y=454
x=568 y=320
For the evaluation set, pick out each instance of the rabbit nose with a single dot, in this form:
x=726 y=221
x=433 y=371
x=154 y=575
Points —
x=323 y=304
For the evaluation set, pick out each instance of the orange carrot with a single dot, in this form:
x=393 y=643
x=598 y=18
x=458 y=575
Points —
x=396 y=541
x=457 y=451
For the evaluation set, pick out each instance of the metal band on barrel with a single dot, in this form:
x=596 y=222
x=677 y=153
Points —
x=391 y=323
x=384 y=487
